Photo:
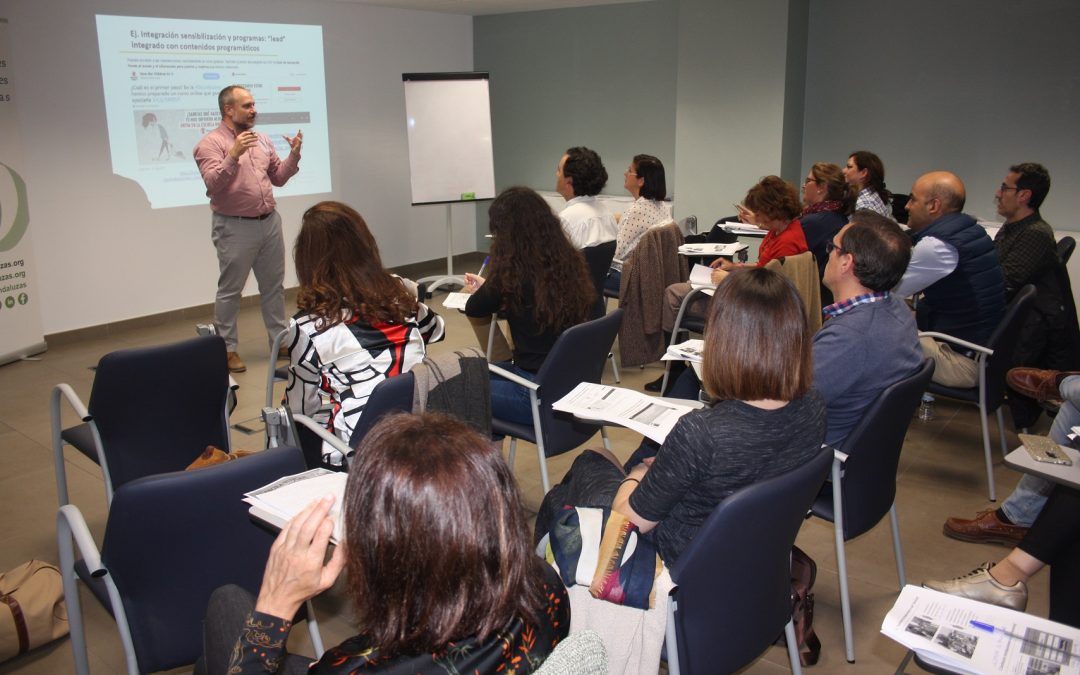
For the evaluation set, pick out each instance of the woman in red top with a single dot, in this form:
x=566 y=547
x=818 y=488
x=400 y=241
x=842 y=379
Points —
x=773 y=205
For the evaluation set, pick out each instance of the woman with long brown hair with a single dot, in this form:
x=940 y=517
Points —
x=827 y=199
x=866 y=173
x=437 y=558
x=357 y=325
x=538 y=281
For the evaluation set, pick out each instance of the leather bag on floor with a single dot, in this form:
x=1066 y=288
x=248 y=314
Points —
x=32 y=612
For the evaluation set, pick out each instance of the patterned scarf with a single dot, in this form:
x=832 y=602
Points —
x=826 y=205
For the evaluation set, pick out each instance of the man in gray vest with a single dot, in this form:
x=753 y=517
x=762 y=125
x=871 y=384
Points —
x=955 y=266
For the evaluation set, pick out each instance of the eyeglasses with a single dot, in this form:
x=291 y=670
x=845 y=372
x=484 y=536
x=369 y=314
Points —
x=1005 y=188
x=809 y=180
x=831 y=246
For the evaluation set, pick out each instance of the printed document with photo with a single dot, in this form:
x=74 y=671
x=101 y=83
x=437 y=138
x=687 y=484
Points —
x=649 y=416
x=280 y=501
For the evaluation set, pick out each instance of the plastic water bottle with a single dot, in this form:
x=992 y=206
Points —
x=926 y=408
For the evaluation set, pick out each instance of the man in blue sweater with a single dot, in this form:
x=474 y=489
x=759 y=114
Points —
x=869 y=340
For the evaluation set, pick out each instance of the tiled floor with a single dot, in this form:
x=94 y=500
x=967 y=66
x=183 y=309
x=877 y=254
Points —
x=941 y=474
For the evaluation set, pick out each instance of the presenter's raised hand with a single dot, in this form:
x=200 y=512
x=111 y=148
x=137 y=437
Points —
x=295 y=142
x=295 y=571
x=244 y=140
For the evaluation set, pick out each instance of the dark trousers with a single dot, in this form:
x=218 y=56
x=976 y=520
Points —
x=229 y=608
x=1054 y=538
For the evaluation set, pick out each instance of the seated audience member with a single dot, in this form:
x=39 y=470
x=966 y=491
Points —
x=870 y=341
x=644 y=180
x=954 y=264
x=865 y=172
x=538 y=281
x=579 y=177
x=766 y=420
x=1053 y=539
x=772 y=205
x=437 y=560
x=1008 y=523
x=357 y=325
x=827 y=198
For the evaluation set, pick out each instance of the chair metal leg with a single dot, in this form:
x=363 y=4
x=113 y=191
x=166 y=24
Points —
x=671 y=641
x=841 y=561
x=604 y=437
x=313 y=631
x=1001 y=432
x=513 y=451
x=667 y=374
x=71 y=597
x=903 y=664
x=986 y=451
x=614 y=367
x=898 y=552
x=58 y=452
x=792 y=647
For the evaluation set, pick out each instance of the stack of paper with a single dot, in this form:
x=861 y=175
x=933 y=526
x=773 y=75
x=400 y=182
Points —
x=455 y=300
x=967 y=636
x=701 y=277
x=691 y=350
x=646 y=415
x=278 y=502
x=712 y=249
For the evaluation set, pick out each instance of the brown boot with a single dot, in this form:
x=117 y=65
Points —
x=1036 y=383
x=235 y=364
x=985 y=528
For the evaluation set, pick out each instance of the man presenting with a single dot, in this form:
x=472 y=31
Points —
x=240 y=166
x=954 y=264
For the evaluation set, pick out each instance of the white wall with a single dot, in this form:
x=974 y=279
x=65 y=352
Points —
x=103 y=255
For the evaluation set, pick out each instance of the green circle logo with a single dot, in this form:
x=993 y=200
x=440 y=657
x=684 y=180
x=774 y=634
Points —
x=20 y=221
x=9 y=302
x=23 y=298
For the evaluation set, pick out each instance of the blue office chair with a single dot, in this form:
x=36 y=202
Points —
x=733 y=594
x=152 y=410
x=578 y=356
x=170 y=540
x=863 y=486
x=992 y=360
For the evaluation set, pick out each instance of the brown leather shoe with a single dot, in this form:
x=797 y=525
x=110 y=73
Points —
x=235 y=364
x=985 y=528
x=1036 y=383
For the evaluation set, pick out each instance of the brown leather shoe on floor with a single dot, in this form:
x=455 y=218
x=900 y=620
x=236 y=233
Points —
x=985 y=528
x=283 y=353
x=235 y=364
x=1036 y=383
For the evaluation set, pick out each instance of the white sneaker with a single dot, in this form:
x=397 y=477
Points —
x=979 y=585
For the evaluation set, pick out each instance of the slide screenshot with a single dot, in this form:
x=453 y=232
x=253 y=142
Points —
x=161 y=79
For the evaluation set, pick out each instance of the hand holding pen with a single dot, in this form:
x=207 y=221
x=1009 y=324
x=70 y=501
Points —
x=475 y=281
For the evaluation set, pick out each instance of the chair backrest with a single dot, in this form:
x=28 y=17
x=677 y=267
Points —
x=394 y=394
x=577 y=356
x=1065 y=248
x=1003 y=341
x=157 y=408
x=598 y=258
x=171 y=539
x=873 y=448
x=734 y=578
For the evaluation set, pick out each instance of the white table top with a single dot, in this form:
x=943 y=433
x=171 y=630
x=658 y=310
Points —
x=1021 y=460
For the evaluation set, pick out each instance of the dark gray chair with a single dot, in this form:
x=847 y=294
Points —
x=152 y=410
x=578 y=356
x=1065 y=248
x=170 y=540
x=733 y=593
x=863 y=485
x=993 y=360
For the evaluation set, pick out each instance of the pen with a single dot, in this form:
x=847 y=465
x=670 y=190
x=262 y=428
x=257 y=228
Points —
x=1064 y=647
x=483 y=266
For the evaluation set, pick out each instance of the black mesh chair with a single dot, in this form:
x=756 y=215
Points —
x=993 y=361
x=863 y=485
x=578 y=356
x=170 y=540
x=152 y=410
x=717 y=627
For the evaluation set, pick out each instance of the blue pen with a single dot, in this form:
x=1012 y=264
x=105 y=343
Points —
x=1063 y=646
x=483 y=266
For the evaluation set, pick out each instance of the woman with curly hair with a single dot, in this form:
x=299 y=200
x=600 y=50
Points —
x=866 y=173
x=357 y=325
x=827 y=198
x=437 y=561
x=538 y=282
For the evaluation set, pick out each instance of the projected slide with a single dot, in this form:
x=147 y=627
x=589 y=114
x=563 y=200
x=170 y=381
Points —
x=161 y=79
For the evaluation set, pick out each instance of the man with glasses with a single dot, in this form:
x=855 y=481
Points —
x=954 y=265
x=1027 y=250
x=869 y=341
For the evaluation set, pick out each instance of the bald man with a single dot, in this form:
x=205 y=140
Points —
x=955 y=266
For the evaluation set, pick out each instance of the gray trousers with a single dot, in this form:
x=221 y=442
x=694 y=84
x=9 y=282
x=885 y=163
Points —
x=244 y=245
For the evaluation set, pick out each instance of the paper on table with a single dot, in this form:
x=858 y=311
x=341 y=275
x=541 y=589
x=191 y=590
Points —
x=967 y=636
x=455 y=300
x=624 y=407
x=278 y=502
x=691 y=350
x=712 y=249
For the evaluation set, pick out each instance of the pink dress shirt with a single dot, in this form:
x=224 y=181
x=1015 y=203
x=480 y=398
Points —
x=242 y=187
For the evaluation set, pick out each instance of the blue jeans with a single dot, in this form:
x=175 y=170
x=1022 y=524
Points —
x=509 y=400
x=1027 y=499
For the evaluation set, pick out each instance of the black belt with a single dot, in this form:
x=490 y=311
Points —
x=262 y=217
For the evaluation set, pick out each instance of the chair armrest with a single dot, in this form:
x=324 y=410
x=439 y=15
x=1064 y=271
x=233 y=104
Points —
x=516 y=379
x=838 y=455
x=66 y=392
x=70 y=522
x=320 y=431
x=957 y=341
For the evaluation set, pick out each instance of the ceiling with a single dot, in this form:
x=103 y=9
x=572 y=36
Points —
x=475 y=7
